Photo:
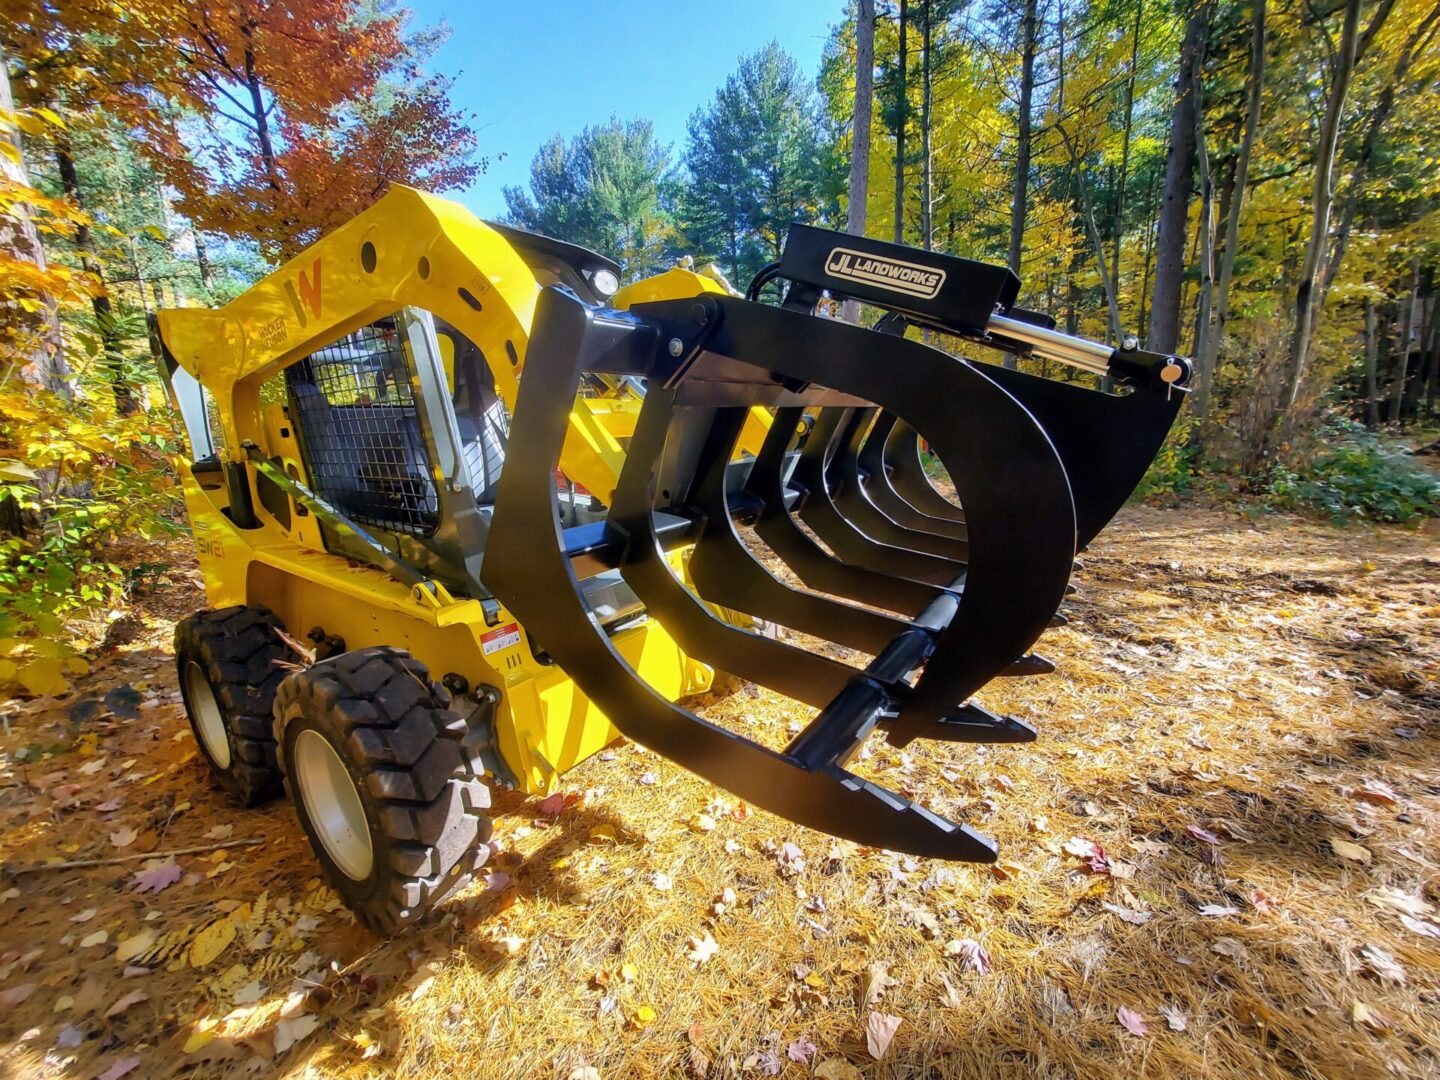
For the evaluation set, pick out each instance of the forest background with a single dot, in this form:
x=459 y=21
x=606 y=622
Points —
x=1255 y=184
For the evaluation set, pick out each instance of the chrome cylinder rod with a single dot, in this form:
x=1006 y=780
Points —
x=1053 y=345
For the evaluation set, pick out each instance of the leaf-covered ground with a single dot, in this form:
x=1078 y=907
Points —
x=1219 y=860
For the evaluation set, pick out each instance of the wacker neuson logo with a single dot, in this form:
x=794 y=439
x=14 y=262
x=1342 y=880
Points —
x=912 y=279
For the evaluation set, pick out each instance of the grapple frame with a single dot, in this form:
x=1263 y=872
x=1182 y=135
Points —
x=1038 y=467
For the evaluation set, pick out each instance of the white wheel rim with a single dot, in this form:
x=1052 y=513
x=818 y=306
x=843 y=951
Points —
x=205 y=711
x=332 y=803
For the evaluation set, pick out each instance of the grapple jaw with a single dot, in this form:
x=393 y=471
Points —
x=943 y=599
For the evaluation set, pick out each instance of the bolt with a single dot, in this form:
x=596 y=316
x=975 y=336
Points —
x=699 y=315
x=676 y=347
x=1131 y=343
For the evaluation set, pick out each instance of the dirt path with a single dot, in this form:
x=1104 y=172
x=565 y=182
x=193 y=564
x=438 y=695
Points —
x=1227 y=829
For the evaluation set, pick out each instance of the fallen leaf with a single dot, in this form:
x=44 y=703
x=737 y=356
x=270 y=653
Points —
x=1130 y=915
x=250 y=993
x=837 y=1069
x=971 y=953
x=63 y=1003
x=210 y=942
x=135 y=997
x=1175 y=1019
x=1262 y=901
x=123 y=1067
x=1394 y=898
x=497 y=881
x=551 y=805
x=109 y=806
x=873 y=986
x=99 y=937
x=1132 y=1021
x=1228 y=946
x=90 y=768
x=1385 y=966
x=1379 y=793
x=702 y=948
x=649 y=779
x=1419 y=926
x=801 y=1050
x=154 y=879
x=702 y=823
x=16 y=994
x=642 y=1017
x=69 y=1038
x=1346 y=850
x=584 y=1072
x=1372 y=1019
x=1217 y=911
x=123 y=837
x=661 y=881
x=219 y=832
x=135 y=945
x=291 y=1031
x=84 y=916
x=879 y=1031
x=1203 y=835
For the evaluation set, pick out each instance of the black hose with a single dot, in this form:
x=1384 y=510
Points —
x=766 y=274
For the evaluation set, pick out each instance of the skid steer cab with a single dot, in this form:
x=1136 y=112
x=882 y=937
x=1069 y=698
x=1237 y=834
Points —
x=468 y=512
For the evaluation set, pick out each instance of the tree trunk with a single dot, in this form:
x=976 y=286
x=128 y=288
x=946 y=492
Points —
x=40 y=361
x=1415 y=392
x=860 y=138
x=1432 y=358
x=1164 y=332
x=125 y=402
x=1372 y=375
x=1415 y=44
x=1209 y=356
x=261 y=115
x=1205 y=373
x=202 y=260
x=902 y=109
x=1402 y=347
x=1322 y=199
x=1122 y=179
x=1028 y=45
x=927 y=236
x=1151 y=227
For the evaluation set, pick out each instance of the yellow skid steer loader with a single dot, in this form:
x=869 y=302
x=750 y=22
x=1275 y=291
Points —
x=468 y=512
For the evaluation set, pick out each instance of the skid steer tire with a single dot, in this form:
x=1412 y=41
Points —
x=386 y=782
x=226 y=661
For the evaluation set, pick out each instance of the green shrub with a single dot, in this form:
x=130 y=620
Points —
x=1358 y=476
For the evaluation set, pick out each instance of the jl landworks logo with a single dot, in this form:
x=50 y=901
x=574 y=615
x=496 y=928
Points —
x=893 y=275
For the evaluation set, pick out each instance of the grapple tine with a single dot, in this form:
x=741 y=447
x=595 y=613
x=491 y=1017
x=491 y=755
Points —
x=907 y=476
x=798 y=673
x=812 y=564
x=850 y=543
x=721 y=565
x=875 y=480
x=853 y=500
x=527 y=565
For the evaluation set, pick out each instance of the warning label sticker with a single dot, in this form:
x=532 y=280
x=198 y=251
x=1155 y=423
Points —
x=502 y=637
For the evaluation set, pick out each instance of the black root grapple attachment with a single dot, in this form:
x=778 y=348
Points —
x=942 y=596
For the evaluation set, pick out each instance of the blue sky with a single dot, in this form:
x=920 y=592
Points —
x=528 y=70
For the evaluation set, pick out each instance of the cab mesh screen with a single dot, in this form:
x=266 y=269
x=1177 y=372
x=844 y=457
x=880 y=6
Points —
x=353 y=403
